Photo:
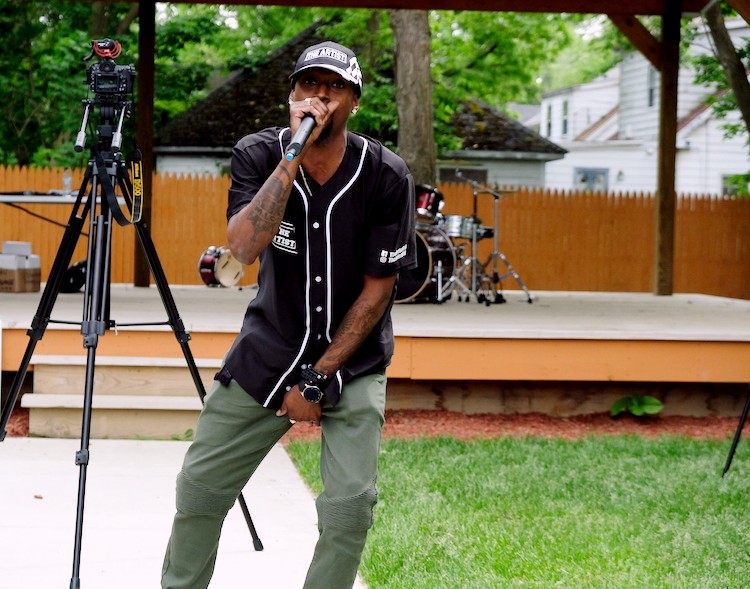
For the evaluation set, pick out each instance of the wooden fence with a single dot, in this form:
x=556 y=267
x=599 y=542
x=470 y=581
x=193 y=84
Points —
x=555 y=240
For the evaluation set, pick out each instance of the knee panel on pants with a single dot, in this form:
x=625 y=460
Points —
x=197 y=499
x=348 y=513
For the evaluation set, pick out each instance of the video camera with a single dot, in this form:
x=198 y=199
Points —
x=112 y=86
x=109 y=81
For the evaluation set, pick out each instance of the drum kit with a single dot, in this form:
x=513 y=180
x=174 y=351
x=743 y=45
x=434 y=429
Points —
x=218 y=267
x=447 y=259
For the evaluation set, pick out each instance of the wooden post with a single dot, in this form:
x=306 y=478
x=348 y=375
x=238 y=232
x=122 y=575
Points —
x=665 y=186
x=145 y=124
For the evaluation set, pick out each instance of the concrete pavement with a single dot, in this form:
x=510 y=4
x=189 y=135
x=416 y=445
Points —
x=129 y=504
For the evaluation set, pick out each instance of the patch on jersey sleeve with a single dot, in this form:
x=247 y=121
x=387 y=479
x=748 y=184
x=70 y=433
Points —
x=387 y=257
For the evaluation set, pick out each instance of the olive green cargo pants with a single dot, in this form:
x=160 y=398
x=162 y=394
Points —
x=233 y=435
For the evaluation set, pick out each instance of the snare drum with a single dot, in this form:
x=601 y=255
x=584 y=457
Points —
x=429 y=201
x=218 y=267
x=459 y=226
x=436 y=262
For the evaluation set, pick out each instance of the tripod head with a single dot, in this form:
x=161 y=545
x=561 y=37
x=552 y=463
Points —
x=112 y=86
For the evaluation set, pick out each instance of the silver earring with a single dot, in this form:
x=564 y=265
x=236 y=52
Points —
x=355 y=110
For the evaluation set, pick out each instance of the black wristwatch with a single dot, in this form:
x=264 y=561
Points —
x=312 y=384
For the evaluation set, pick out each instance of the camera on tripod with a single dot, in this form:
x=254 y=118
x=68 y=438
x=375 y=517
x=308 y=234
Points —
x=109 y=81
x=112 y=86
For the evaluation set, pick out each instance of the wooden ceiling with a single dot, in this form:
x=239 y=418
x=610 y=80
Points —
x=632 y=7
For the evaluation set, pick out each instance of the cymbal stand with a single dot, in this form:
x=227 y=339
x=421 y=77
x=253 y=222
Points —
x=486 y=285
x=498 y=255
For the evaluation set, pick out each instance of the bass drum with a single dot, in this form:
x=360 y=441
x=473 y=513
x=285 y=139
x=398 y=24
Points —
x=436 y=262
x=218 y=267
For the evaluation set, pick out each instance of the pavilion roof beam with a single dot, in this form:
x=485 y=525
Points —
x=640 y=37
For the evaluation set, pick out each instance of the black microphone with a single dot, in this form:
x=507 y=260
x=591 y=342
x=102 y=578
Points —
x=300 y=137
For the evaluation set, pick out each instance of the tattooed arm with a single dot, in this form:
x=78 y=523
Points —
x=251 y=230
x=363 y=315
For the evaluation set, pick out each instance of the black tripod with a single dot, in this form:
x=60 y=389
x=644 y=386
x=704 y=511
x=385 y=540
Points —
x=738 y=433
x=96 y=197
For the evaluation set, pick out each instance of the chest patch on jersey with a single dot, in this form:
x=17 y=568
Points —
x=286 y=238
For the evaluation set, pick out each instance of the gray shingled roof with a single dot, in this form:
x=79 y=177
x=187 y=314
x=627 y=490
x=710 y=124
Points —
x=249 y=100
x=254 y=98
x=486 y=129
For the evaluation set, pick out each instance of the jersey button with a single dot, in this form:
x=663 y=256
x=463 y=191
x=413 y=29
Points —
x=318 y=278
x=316 y=225
x=318 y=308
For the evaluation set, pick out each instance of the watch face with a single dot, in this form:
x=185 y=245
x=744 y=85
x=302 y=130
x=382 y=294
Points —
x=312 y=393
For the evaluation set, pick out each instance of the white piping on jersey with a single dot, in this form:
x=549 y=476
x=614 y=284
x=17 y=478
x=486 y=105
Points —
x=329 y=249
x=308 y=319
x=329 y=302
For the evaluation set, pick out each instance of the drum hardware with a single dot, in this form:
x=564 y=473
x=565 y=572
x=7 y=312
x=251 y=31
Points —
x=218 y=267
x=432 y=280
x=483 y=285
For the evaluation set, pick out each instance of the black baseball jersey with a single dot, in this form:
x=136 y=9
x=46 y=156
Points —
x=361 y=222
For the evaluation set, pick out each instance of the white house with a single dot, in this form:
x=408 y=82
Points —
x=610 y=129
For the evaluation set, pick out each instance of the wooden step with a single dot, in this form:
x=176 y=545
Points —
x=121 y=375
x=113 y=416
x=133 y=397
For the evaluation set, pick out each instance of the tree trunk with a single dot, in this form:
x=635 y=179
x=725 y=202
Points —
x=730 y=61
x=416 y=135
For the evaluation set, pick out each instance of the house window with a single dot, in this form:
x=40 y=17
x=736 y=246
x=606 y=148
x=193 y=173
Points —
x=549 y=121
x=591 y=179
x=565 y=119
x=651 y=86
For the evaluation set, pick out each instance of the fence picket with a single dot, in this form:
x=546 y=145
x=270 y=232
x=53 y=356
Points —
x=555 y=239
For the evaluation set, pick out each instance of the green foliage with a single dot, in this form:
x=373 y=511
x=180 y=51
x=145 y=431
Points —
x=42 y=78
x=595 y=46
x=723 y=102
x=615 y=511
x=186 y=436
x=638 y=405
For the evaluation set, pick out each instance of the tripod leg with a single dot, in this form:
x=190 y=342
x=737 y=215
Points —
x=738 y=433
x=47 y=301
x=94 y=324
x=182 y=337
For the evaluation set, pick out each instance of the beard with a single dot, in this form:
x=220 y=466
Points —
x=325 y=135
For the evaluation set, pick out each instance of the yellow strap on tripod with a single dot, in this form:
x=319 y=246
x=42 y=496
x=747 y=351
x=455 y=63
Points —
x=136 y=174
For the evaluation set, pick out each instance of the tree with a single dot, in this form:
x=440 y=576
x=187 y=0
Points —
x=416 y=138
x=496 y=57
x=42 y=79
x=726 y=72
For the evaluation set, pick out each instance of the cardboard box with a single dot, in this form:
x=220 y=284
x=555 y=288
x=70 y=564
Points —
x=19 y=273
x=11 y=279
x=31 y=273
x=18 y=248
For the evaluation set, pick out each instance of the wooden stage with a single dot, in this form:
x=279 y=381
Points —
x=566 y=353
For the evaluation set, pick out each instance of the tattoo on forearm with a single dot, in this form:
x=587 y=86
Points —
x=286 y=172
x=271 y=202
x=350 y=334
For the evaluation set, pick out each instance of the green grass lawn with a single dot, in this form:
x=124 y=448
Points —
x=617 y=512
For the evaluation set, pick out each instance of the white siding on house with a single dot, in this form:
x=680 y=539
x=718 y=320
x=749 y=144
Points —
x=184 y=164
x=586 y=104
x=704 y=156
x=502 y=172
x=631 y=166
